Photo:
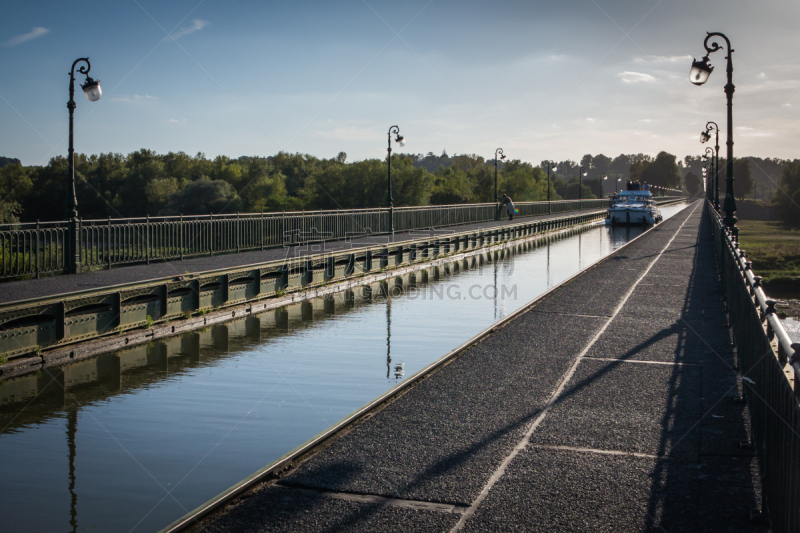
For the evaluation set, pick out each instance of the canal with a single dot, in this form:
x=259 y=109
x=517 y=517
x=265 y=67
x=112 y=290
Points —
x=132 y=440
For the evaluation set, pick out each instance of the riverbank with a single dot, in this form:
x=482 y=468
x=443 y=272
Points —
x=774 y=250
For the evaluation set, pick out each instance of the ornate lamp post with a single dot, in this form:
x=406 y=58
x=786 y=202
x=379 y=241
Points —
x=581 y=174
x=549 y=164
x=498 y=152
x=709 y=156
x=400 y=140
x=704 y=137
x=699 y=74
x=91 y=88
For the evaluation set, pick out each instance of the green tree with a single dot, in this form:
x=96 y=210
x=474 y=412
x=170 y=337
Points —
x=205 y=196
x=744 y=179
x=692 y=182
x=787 y=197
x=662 y=171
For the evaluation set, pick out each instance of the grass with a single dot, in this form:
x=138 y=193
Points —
x=774 y=250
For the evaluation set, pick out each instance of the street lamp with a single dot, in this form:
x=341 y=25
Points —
x=705 y=136
x=400 y=140
x=581 y=174
x=549 y=164
x=498 y=152
x=709 y=156
x=698 y=75
x=91 y=88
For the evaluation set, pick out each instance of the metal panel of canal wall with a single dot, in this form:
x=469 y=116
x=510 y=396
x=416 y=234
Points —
x=54 y=331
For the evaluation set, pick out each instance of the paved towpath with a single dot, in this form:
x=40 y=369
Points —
x=608 y=406
x=52 y=286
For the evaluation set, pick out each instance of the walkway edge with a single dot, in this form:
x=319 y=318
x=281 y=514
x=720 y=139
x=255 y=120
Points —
x=285 y=462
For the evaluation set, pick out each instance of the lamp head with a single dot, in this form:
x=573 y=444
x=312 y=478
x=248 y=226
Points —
x=585 y=174
x=700 y=72
x=400 y=140
x=704 y=136
x=92 y=89
x=502 y=156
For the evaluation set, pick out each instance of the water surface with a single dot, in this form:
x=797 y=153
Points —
x=132 y=440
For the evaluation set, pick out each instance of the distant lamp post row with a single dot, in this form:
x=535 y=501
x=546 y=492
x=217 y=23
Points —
x=581 y=174
x=616 y=183
x=699 y=74
x=497 y=153
x=554 y=168
x=91 y=88
x=400 y=140
x=709 y=156
x=705 y=136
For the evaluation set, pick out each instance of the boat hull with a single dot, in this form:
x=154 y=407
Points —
x=631 y=217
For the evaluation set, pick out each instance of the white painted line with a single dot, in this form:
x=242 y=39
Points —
x=597 y=451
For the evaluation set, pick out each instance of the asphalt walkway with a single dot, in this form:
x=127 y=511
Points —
x=14 y=291
x=606 y=407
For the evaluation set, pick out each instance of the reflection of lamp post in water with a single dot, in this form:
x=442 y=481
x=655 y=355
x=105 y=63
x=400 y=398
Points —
x=388 y=337
x=72 y=430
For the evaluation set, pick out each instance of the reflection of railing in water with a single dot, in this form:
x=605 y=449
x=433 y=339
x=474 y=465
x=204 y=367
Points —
x=767 y=357
x=108 y=375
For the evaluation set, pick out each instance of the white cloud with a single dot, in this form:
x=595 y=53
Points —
x=636 y=77
x=134 y=98
x=761 y=76
x=35 y=33
x=197 y=24
x=645 y=120
x=664 y=59
x=590 y=119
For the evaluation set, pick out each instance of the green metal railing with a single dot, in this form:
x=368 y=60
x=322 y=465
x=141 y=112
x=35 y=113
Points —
x=31 y=249
x=767 y=357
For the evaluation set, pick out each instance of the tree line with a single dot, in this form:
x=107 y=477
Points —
x=147 y=183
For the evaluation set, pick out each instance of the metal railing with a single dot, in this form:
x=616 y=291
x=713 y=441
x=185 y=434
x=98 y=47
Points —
x=31 y=249
x=766 y=355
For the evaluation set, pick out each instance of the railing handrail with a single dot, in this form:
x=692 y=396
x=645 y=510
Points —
x=271 y=214
x=765 y=304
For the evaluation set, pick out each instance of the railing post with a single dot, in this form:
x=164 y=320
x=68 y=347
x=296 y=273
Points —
x=73 y=263
x=147 y=239
x=238 y=232
x=261 y=229
x=108 y=244
x=181 y=237
x=211 y=234
x=36 y=253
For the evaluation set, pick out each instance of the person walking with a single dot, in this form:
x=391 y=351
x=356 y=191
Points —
x=509 y=206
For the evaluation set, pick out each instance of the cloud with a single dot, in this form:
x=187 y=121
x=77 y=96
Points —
x=761 y=76
x=176 y=121
x=35 y=33
x=636 y=77
x=197 y=24
x=645 y=120
x=590 y=119
x=664 y=59
x=134 y=98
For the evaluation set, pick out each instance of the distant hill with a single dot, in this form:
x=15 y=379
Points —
x=9 y=161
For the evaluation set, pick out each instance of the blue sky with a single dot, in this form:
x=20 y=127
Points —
x=550 y=80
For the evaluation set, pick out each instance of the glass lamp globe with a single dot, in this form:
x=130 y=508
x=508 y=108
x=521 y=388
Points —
x=704 y=136
x=700 y=72
x=92 y=89
x=401 y=140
